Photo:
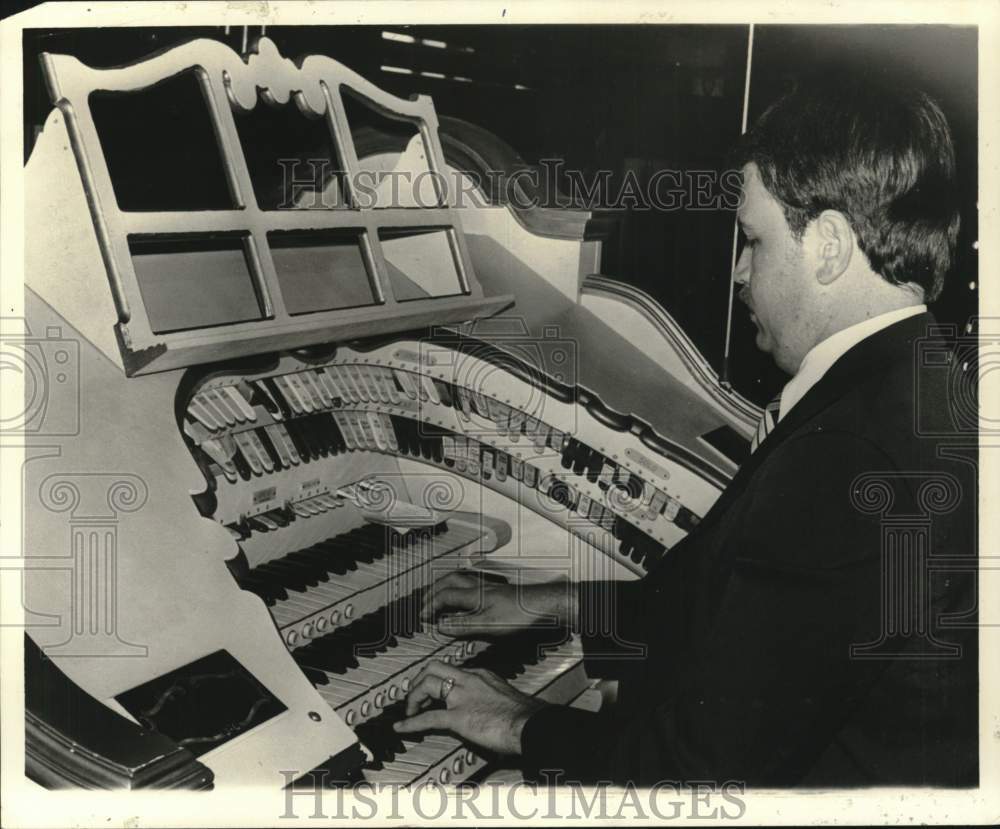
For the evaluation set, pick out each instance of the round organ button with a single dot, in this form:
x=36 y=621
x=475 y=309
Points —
x=470 y=648
x=307 y=630
x=321 y=624
x=349 y=611
x=405 y=684
x=379 y=700
x=457 y=765
x=365 y=708
x=334 y=617
x=444 y=776
x=292 y=637
x=470 y=758
x=393 y=692
x=351 y=717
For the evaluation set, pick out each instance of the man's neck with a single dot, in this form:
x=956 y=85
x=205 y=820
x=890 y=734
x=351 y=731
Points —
x=874 y=303
x=823 y=355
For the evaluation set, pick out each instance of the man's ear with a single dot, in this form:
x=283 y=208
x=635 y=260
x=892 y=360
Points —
x=833 y=242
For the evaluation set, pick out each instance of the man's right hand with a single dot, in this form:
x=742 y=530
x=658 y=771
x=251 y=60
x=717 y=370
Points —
x=465 y=603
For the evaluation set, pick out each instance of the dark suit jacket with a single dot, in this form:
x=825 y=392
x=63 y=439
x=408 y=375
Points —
x=747 y=626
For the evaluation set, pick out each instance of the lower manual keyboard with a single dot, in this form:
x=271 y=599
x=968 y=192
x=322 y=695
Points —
x=555 y=674
x=365 y=667
x=335 y=582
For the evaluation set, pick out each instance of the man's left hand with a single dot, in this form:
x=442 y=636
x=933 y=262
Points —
x=480 y=707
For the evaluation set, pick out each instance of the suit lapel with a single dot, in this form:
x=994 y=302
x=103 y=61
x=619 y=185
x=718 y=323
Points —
x=868 y=357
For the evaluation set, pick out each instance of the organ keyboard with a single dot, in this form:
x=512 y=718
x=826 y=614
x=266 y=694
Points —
x=269 y=492
x=554 y=673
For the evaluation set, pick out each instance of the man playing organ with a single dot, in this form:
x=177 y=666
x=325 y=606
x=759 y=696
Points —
x=768 y=655
x=334 y=402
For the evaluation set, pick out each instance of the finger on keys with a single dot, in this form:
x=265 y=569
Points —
x=455 y=591
x=437 y=720
x=426 y=686
x=424 y=692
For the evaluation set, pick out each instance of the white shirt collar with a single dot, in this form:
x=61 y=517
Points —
x=823 y=355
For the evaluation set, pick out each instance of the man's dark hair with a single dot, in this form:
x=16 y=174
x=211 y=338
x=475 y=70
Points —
x=882 y=155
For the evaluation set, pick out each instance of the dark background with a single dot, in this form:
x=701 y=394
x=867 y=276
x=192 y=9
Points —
x=620 y=98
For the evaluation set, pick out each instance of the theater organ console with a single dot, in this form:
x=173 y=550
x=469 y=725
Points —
x=274 y=427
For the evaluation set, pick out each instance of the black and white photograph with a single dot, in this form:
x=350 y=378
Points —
x=499 y=413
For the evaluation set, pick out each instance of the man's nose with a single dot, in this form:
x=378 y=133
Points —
x=741 y=274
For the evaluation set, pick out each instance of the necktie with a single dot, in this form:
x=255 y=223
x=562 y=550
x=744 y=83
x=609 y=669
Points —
x=767 y=422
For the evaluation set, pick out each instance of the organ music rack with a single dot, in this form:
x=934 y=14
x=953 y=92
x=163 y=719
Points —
x=255 y=495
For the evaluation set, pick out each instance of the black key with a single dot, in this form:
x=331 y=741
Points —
x=426 y=447
x=380 y=738
x=397 y=384
x=352 y=550
x=266 y=588
x=298 y=441
x=259 y=398
x=594 y=466
x=619 y=477
x=569 y=453
x=402 y=429
x=326 y=428
x=289 y=513
x=313 y=560
x=345 y=647
x=278 y=517
x=397 y=430
x=313 y=439
x=412 y=437
x=415 y=441
x=637 y=553
x=287 y=575
x=242 y=467
x=257 y=525
x=279 y=398
x=444 y=392
x=294 y=570
x=268 y=445
x=337 y=437
x=240 y=527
